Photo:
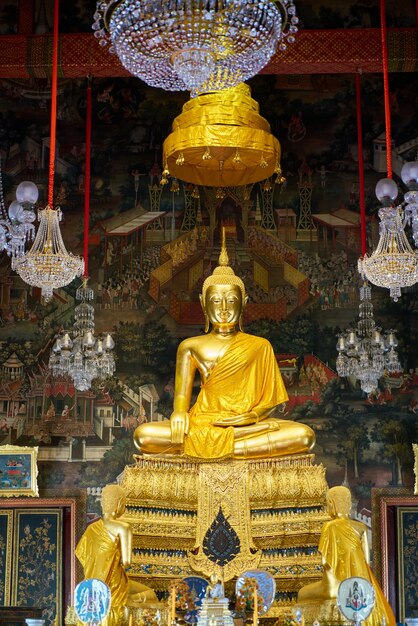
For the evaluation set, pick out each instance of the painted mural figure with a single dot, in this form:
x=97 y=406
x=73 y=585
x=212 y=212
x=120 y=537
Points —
x=345 y=553
x=241 y=386
x=50 y=414
x=66 y=412
x=105 y=550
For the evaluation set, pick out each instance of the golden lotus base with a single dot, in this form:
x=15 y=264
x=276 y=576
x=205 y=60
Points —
x=276 y=507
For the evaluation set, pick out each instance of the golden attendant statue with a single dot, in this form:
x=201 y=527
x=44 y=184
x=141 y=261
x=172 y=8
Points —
x=105 y=551
x=345 y=553
x=241 y=386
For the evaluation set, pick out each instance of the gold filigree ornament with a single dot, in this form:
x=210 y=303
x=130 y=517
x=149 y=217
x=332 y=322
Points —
x=180 y=159
x=206 y=156
x=224 y=485
x=236 y=158
x=227 y=126
x=164 y=176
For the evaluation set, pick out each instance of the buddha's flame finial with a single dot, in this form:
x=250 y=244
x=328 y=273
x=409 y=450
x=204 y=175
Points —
x=223 y=255
x=223 y=274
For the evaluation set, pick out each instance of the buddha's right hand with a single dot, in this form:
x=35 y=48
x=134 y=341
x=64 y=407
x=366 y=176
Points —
x=179 y=426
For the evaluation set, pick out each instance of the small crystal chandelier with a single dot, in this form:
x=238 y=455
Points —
x=365 y=353
x=195 y=45
x=83 y=357
x=393 y=264
x=48 y=265
x=16 y=224
x=409 y=175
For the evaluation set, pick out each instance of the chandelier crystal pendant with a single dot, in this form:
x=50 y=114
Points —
x=195 y=45
x=364 y=352
x=47 y=264
x=409 y=175
x=80 y=354
x=393 y=264
x=16 y=224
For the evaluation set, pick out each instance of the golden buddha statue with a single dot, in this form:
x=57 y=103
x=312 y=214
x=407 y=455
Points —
x=345 y=553
x=241 y=386
x=105 y=551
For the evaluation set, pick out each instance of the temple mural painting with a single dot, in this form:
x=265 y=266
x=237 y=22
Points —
x=295 y=245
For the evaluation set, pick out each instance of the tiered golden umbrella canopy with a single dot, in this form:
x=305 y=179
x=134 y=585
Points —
x=221 y=140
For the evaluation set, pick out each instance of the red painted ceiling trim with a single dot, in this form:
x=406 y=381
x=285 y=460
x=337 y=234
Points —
x=315 y=52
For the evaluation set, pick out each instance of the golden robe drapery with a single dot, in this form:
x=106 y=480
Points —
x=100 y=556
x=340 y=546
x=246 y=377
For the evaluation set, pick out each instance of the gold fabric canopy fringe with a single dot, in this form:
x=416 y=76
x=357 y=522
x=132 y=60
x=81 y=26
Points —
x=221 y=140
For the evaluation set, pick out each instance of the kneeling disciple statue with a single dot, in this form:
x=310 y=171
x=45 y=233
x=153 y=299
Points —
x=345 y=553
x=241 y=386
x=105 y=550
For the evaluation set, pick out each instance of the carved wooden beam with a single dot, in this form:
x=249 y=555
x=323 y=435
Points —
x=315 y=52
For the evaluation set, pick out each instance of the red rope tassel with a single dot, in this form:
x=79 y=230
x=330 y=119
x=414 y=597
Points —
x=361 y=167
x=87 y=180
x=386 y=89
x=53 y=132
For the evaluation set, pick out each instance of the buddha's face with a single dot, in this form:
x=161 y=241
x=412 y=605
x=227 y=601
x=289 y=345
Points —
x=223 y=305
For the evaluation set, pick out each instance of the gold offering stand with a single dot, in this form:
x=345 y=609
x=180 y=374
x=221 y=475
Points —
x=275 y=506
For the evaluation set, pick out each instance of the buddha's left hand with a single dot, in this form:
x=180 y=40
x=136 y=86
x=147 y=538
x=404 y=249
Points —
x=244 y=419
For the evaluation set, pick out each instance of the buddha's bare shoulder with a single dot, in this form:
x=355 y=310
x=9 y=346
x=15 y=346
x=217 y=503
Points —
x=191 y=343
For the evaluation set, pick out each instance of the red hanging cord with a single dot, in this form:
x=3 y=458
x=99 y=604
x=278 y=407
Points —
x=361 y=166
x=386 y=89
x=54 y=82
x=87 y=180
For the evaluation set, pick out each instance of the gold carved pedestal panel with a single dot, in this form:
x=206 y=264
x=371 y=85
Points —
x=276 y=507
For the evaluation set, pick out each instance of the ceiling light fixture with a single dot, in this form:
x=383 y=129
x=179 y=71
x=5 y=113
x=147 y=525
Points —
x=195 y=45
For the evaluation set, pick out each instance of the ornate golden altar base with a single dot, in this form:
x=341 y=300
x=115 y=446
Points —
x=276 y=506
x=325 y=613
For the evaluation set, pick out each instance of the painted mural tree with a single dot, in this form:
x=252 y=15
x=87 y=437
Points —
x=291 y=336
x=149 y=344
x=395 y=436
x=157 y=348
x=127 y=342
x=402 y=318
x=351 y=446
x=344 y=451
x=332 y=400
x=111 y=465
x=357 y=435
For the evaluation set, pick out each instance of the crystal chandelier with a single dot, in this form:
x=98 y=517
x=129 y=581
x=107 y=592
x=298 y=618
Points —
x=409 y=175
x=364 y=352
x=195 y=45
x=16 y=224
x=47 y=264
x=393 y=264
x=83 y=357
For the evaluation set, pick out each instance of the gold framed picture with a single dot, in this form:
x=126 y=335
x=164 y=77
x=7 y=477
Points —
x=18 y=471
x=395 y=556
